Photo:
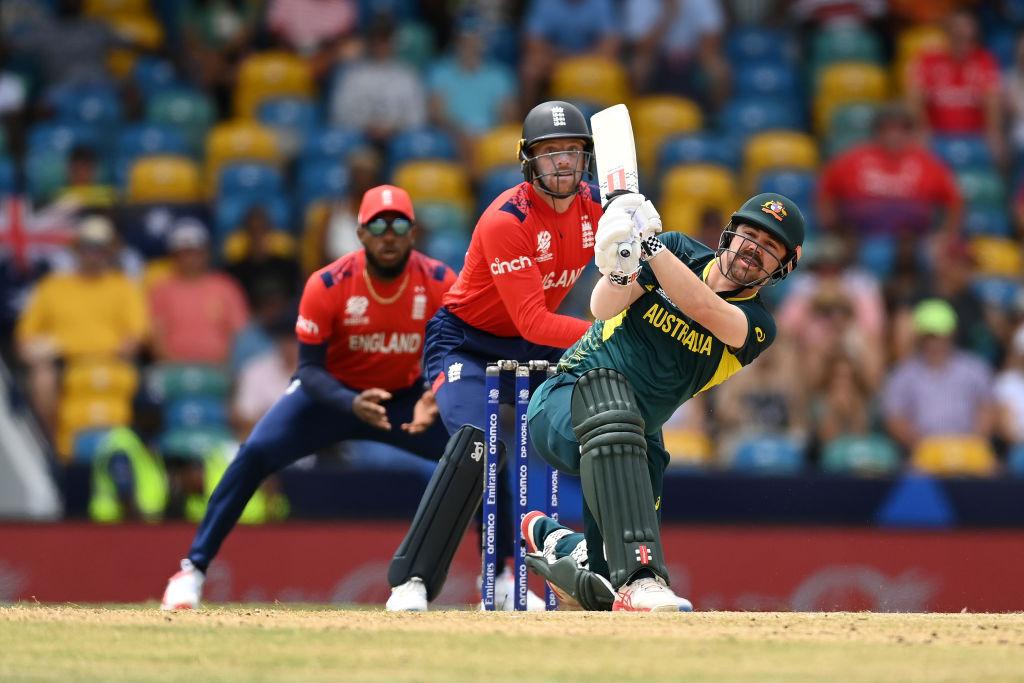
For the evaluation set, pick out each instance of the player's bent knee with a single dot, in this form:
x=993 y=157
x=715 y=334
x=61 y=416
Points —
x=605 y=412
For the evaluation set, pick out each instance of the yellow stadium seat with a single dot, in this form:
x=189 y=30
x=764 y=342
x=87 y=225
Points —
x=681 y=216
x=108 y=377
x=845 y=82
x=164 y=178
x=656 y=118
x=434 y=181
x=778 y=149
x=267 y=75
x=156 y=271
x=688 y=448
x=89 y=412
x=955 y=455
x=114 y=8
x=910 y=44
x=239 y=140
x=591 y=79
x=141 y=29
x=497 y=147
x=700 y=186
x=997 y=256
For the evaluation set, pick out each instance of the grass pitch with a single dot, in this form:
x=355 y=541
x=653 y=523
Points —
x=275 y=643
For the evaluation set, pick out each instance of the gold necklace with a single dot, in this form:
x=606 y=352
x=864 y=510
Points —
x=378 y=298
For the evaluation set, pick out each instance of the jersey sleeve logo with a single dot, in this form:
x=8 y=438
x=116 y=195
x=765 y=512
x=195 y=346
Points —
x=307 y=326
x=500 y=267
x=544 y=246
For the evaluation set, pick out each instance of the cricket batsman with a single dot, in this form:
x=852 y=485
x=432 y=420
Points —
x=674 y=318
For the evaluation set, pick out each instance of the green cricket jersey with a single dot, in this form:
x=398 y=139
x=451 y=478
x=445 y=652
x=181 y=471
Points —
x=667 y=357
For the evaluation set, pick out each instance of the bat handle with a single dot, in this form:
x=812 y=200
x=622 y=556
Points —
x=625 y=250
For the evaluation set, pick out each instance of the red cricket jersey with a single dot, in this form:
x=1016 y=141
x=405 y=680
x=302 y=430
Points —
x=955 y=91
x=522 y=261
x=369 y=343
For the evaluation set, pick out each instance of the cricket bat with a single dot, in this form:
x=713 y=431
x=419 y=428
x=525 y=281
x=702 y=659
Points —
x=615 y=155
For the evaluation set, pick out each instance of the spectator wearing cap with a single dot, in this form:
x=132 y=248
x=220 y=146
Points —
x=196 y=312
x=1009 y=393
x=379 y=95
x=890 y=185
x=956 y=90
x=940 y=391
x=93 y=311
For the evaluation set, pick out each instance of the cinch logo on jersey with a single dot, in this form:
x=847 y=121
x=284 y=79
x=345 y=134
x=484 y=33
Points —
x=306 y=325
x=502 y=267
x=678 y=329
x=544 y=246
x=567 y=278
x=380 y=342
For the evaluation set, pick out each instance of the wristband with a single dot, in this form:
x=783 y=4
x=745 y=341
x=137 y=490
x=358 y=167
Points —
x=624 y=279
x=649 y=247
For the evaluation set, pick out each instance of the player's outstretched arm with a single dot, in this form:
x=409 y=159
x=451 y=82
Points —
x=608 y=299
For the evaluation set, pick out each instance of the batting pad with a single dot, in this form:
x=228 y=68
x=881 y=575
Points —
x=614 y=474
x=451 y=499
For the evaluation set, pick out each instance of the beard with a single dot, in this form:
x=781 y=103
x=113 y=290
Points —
x=388 y=272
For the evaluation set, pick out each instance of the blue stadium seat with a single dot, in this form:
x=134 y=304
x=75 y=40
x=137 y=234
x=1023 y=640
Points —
x=249 y=180
x=230 y=211
x=1015 y=461
x=772 y=79
x=963 y=151
x=292 y=117
x=153 y=74
x=877 y=254
x=752 y=115
x=424 y=143
x=331 y=143
x=141 y=139
x=448 y=248
x=195 y=412
x=8 y=176
x=61 y=137
x=999 y=292
x=797 y=185
x=1002 y=42
x=768 y=455
x=699 y=148
x=752 y=44
x=93 y=104
x=87 y=444
x=496 y=182
x=323 y=178
x=443 y=217
x=46 y=172
x=987 y=220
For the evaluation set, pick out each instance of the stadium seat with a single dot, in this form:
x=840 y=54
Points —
x=111 y=8
x=97 y=105
x=963 y=152
x=770 y=79
x=415 y=43
x=250 y=180
x=331 y=143
x=777 y=150
x=847 y=82
x=656 y=118
x=987 y=220
x=981 y=188
x=142 y=30
x=768 y=455
x=191 y=112
x=77 y=414
x=1015 y=461
x=997 y=256
x=62 y=137
x=699 y=148
x=195 y=412
x=163 y=179
x=910 y=43
x=592 y=78
x=230 y=210
x=682 y=215
x=853 y=118
x=86 y=444
x=860 y=455
x=108 y=377
x=171 y=381
x=443 y=181
x=8 y=176
x=877 y=254
x=743 y=117
x=999 y=292
x=145 y=139
x=421 y=144
x=955 y=455
x=497 y=147
x=192 y=444
x=291 y=118
x=753 y=44
x=239 y=140
x=153 y=74
x=442 y=217
x=797 y=185
x=845 y=43
x=267 y=75
x=318 y=179
x=495 y=182
x=447 y=248
x=46 y=172
x=701 y=186
x=688 y=448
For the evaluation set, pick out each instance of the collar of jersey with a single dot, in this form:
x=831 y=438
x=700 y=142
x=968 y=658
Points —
x=704 y=277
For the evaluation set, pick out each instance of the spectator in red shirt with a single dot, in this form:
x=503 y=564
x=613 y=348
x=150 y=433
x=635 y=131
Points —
x=956 y=91
x=889 y=185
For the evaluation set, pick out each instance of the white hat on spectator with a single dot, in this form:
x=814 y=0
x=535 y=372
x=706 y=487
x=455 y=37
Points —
x=187 y=233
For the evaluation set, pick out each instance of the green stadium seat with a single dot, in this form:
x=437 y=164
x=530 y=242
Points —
x=442 y=217
x=861 y=455
x=981 y=187
x=170 y=382
x=192 y=444
x=191 y=112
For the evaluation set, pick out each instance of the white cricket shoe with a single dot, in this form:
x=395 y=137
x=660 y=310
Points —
x=647 y=595
x=410 y=596
x=184 y=589
x=505 y=594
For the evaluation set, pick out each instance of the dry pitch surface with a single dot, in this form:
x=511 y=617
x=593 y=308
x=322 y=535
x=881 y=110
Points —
x=273 y=643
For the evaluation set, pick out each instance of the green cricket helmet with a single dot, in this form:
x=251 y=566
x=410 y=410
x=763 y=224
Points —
x=777 y=215
x=550 y=121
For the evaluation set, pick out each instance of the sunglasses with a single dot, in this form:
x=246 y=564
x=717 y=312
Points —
x=400 y=226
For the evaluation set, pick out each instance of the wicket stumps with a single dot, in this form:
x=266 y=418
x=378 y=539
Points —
x=524 y=375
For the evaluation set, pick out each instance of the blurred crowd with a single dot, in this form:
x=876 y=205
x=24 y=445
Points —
x=170 y=172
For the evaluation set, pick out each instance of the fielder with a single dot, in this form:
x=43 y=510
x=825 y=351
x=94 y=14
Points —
x=673 y=319
x=360 y=329
x=528 y=249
